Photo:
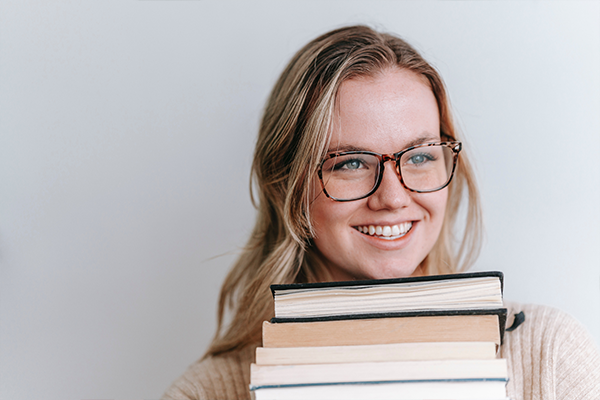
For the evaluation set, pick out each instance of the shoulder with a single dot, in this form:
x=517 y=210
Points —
x=549 y=327
x=546 y=322
x=551 y=354
x=226 y=376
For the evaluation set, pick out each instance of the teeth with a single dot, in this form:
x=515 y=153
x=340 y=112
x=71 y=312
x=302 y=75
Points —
x=386 y=231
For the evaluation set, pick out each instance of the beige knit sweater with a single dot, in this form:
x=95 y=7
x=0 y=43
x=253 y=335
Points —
x=550 y=356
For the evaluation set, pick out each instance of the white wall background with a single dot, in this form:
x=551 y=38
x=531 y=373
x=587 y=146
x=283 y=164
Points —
x=126 y=132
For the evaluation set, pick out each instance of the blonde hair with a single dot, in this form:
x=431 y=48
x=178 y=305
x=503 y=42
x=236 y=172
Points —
x=293 y=139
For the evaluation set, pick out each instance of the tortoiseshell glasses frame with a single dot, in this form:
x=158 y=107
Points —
x=349 y=174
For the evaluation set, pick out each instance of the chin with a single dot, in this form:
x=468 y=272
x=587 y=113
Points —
x=393 y=271
x=401 y=274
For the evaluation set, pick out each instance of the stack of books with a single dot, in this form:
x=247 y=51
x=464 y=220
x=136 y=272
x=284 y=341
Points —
x=433 y=337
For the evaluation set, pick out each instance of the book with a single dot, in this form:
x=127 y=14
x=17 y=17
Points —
x=431 y=337
x=439 y=390
x=390 y=371
x=411 y=327
x=477 y=290
x=376 y=353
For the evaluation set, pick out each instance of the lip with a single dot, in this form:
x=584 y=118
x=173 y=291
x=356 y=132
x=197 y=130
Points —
x=388 y=244
x=386 y=223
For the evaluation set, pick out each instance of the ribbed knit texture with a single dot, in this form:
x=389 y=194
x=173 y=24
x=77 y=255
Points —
x=550 y=356
x=223 y=377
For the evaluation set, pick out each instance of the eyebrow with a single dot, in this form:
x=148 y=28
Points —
x=417 y=141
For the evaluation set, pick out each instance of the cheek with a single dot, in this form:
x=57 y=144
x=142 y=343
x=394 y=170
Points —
x=435 y=205
x=324 y=215
x=443 y=202
x=330 y=219
x=323 y=225
x=318 y=204
x=319 y=210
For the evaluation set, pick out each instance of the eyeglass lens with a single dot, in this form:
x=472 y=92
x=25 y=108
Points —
x=353 y=176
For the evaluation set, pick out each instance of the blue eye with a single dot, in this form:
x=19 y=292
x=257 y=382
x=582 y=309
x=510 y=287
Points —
x=420 y=158
x=351 y=164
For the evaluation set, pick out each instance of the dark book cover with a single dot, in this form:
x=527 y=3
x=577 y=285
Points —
x=376 y=282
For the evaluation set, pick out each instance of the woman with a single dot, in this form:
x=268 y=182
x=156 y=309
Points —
x=345 y=191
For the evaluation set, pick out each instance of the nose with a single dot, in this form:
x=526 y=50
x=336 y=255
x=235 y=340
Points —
x=390 y=194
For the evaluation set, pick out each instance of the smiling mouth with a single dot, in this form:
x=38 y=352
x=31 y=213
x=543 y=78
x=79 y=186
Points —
x=386 y=232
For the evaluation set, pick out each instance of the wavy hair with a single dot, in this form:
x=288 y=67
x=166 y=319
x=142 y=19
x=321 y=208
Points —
x=293 y=139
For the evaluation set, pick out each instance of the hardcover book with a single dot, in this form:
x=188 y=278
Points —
x=390 y=371
x=465 y=291
x=439 y=390
x=410 y=327
x=376 y=353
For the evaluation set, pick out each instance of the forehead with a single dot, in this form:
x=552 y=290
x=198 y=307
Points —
x=384 y=113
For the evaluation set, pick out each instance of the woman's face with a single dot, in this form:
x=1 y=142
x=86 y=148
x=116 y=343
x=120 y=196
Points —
x=384 y=114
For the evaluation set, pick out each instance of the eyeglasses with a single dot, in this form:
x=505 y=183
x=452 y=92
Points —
x=354 y=175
